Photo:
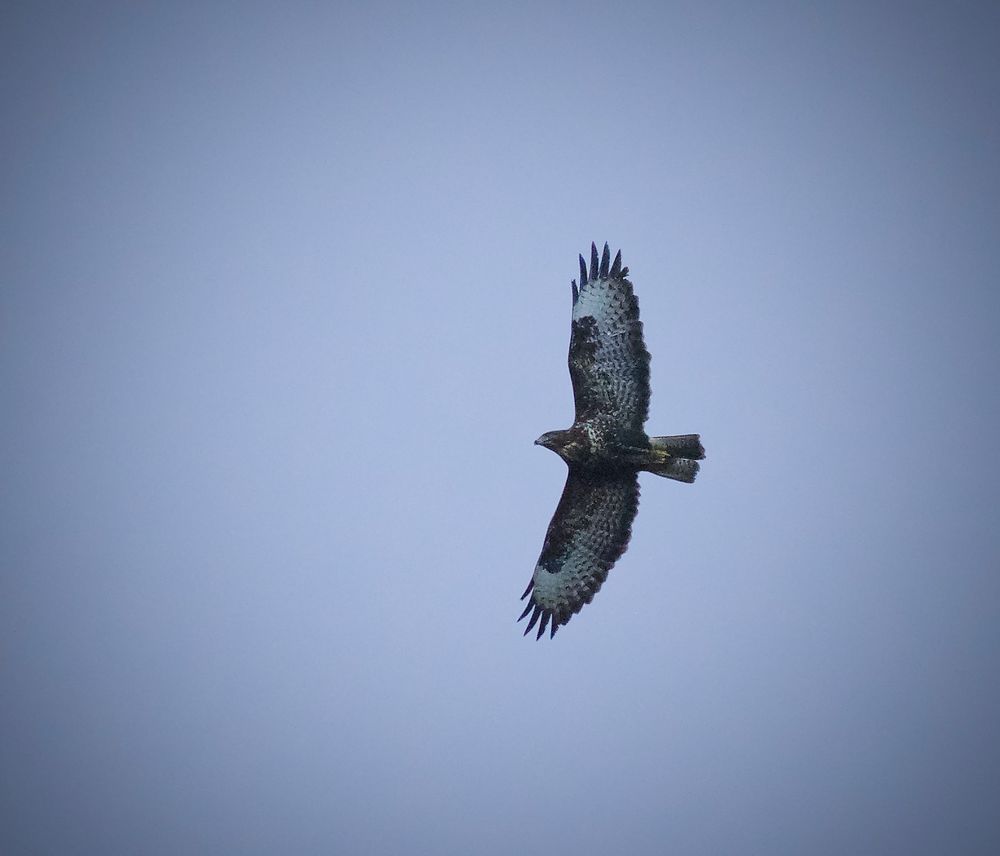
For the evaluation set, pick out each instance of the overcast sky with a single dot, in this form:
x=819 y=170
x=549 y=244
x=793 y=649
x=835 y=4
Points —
x=284 y=301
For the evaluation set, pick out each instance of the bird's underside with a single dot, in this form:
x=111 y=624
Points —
x=605 y=448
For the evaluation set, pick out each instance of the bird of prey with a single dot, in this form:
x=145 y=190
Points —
x=605 y=448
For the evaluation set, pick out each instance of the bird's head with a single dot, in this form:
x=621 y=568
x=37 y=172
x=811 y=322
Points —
x=560 y=442
x=547 y=439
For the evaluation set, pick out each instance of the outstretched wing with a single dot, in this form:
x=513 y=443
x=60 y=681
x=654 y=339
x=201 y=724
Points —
x=608 y=360
x=589 y=531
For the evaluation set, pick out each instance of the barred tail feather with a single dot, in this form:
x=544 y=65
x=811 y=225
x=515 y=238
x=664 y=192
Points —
x=679 y=469
x=680 y=446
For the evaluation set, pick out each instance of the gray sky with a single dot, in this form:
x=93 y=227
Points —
x=285 y=301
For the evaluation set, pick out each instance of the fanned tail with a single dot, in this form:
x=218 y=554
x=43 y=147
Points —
x=675 y=457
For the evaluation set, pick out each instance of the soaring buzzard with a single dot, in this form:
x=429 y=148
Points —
x=605 y=448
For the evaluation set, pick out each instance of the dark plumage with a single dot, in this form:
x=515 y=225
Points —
x=605 y=448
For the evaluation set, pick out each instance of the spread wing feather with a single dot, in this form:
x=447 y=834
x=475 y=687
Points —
x=588 y=533
x=608 y=360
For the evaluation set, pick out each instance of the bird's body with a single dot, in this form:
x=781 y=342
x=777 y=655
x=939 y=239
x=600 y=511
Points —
x=605 y=448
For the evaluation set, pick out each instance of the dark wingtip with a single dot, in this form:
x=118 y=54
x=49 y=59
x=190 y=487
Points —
x=593 y=261
x=583 y=272
x=605 y=261
x=527 y=609
x=624 y=271
x=527 y=591
x=616 y=268
x=576 y=293
x=533 y=619
x=554 y=627
x=544 y=623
